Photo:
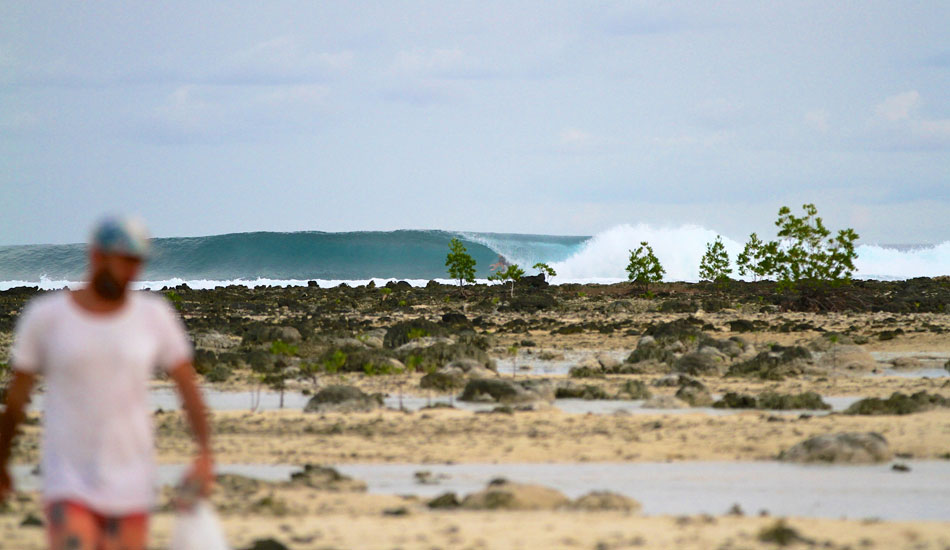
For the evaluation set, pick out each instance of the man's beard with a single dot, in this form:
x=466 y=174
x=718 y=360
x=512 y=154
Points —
x=107 y=287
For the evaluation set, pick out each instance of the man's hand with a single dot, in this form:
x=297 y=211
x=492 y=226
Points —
x=18 y=396
x=201 y=474
x=6 y=485
x=200 y=478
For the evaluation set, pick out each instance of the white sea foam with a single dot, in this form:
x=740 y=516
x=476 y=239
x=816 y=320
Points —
x=603 y=258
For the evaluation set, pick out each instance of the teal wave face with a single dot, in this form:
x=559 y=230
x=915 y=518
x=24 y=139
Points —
x=405 y=254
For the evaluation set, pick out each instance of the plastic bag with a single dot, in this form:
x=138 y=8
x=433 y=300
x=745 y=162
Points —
x=198 y=528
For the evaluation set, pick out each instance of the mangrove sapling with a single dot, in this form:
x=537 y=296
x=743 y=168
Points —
x=544 y=268
x=808 y=255
x=644 y=267
x=714 y=266
x=461 y=265
x=757 y=258
x=277 y=375
x=512 y=274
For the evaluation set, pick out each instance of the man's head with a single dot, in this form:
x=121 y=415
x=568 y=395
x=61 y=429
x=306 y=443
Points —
x=116 y=251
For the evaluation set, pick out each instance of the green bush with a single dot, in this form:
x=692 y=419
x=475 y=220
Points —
x=461 y=265
x=644 y=267
x=715 y=263
x=546 y=269
x=512 y=274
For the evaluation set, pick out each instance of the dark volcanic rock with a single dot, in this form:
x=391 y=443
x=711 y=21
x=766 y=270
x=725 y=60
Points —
x=696 y=397
x=401 y=333
x=636 y=389
x=847 y=448
x=343 y=399
x=775 y=364
x=508 y=391
x=587 y=391
x=772 y=401
x=898 y=403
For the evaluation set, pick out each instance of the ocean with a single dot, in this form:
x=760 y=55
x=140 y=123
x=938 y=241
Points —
x=268 y=258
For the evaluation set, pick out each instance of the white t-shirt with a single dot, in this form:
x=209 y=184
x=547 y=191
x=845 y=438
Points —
x=98 y=436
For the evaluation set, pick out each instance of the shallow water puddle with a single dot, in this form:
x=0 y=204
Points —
x=677 y=488
x=167 y=399
x=705 y=487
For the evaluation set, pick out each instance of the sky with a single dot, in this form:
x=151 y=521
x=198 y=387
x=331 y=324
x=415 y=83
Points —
x=533 y=117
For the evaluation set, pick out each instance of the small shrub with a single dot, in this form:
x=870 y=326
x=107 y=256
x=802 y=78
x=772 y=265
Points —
x=644 y=267
x=461 y=265
x=714 y=265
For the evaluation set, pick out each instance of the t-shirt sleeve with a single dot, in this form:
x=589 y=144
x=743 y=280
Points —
x=174 y=345
x=26 y=355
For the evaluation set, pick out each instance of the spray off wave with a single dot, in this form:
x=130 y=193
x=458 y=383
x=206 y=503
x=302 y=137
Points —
x=281 y=259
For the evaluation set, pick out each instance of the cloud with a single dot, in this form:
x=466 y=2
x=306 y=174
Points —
x=898 y=118
x=207 y=113
x=282 y=60
x=818 y=120
x=898 y=107
x=437 y=63
x=574 y=137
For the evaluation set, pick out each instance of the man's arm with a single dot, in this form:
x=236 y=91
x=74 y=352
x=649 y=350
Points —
x=18 y=395
x=203 y=470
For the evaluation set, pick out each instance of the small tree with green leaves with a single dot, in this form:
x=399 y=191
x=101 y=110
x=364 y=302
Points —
x=808 y=254
x=757 y=258
x=644 y=267
x=461 y=265
x=277 y=375
x=512 y=275
x=715 y=263
x=546 y=269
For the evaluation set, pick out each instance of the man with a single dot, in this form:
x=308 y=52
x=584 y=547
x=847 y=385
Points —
x=96 y=348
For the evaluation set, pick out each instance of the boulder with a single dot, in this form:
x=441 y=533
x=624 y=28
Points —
x=849 y=357
x=606 y=362
x=705 y=361
x=696 y=397
x=339 y=398
x=635 y=389
x=664 y=402
x=587 y=391
x=403 y=332
x=898 y=404
x=676 y=380
x=323 y=478
x=605 y=500
x=506 y=495
x=266 y=544
x=774 y=364
x=373 y=338
x=840 y=448
x=215 y=341
x=906 y=363
x=443 y=380
x=506 y=391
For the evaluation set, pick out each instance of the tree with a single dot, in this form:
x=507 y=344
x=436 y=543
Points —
x=276 y=376
x=512 y=274
x=461 y=265
x=644 y=267
x=715 y=263
x=808 y=254
x=757 y=258
x=546 y=269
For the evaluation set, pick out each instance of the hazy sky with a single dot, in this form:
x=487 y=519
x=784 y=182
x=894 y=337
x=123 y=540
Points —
x=536 y=117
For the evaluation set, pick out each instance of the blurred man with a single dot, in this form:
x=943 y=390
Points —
x=96 y=349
